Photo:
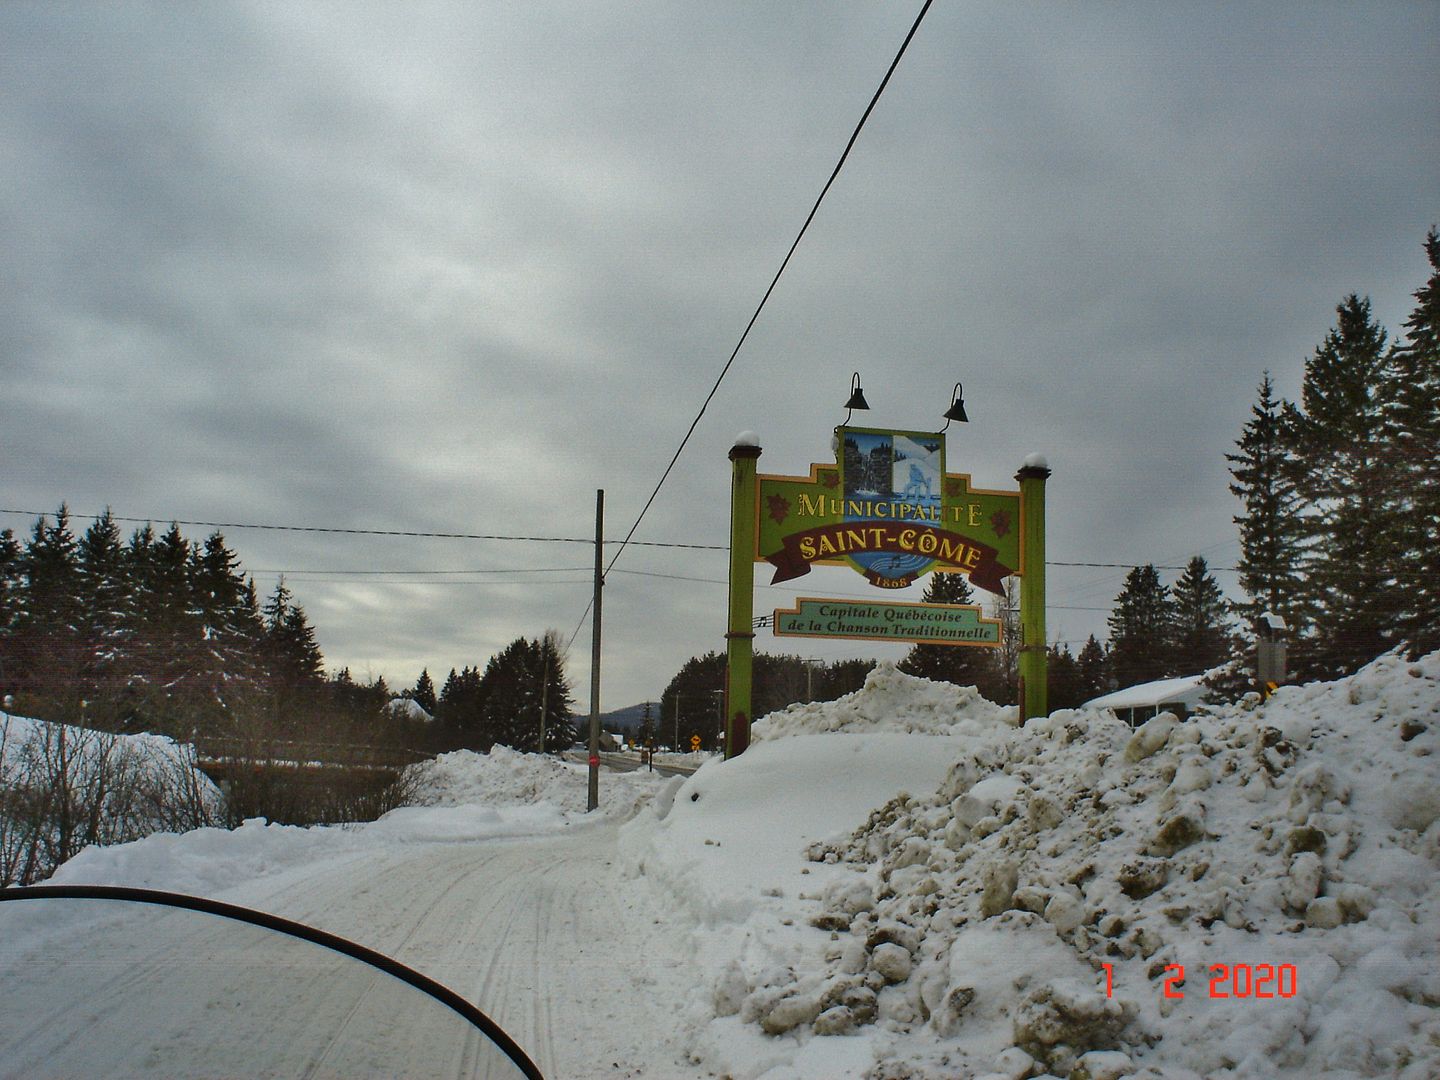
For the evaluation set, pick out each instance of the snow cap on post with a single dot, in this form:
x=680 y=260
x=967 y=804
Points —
x=747 y=445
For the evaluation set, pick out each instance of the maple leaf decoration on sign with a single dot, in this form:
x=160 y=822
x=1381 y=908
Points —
x=1000 y=522
x=779 y=508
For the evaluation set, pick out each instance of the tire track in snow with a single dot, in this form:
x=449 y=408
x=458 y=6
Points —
x=542 y=934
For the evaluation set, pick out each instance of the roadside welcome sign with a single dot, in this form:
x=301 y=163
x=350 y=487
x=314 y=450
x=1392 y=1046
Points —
x=888 y=509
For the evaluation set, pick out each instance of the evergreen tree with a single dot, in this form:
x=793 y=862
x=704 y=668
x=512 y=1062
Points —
x=842 y=677
x=105 y=620
x=1347 y=481
x=230 y=630
x=1142 y=628
x=692 y=694
x=1062 y=674
x=171 y=636
x=1202 y=635
x=778 y=681
x=557 y=701
x=143 y=695
x=303 y=663
x=459 y=711
x=509 y=715
x=1412 y=426
x=963 y=666
x=1271 y=529
x=424 y=692
x=49 y=642
x=1094 y=670
x=291 y=658
x=10 y=603
x=1000 y=678
x=516 y=682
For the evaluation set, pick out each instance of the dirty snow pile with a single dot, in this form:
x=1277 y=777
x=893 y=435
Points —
x=1254 y=892
x=725 y=851
x=891 y=702
x=505 y=777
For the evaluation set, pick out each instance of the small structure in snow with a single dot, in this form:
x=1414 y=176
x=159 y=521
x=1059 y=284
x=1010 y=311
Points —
x=408 y=709
x=1136 y=704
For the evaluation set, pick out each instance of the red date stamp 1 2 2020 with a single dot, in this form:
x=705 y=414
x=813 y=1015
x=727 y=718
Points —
x=1226 y=981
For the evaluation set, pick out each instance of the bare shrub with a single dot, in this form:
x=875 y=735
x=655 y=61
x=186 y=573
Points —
x=291 y=794
x=65 y=788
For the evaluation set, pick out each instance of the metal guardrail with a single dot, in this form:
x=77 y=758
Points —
x=301 y=752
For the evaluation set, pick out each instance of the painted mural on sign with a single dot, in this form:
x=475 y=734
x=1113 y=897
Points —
x=888 y=509
x=890 y=475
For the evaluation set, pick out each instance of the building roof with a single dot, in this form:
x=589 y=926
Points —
x=1187 y=690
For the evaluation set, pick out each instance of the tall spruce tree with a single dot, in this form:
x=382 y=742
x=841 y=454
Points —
x=10 y=601
x=423 y=693
x=105 y=620
x=49 y=635
x=688 y=704
x=1347 y=481
x=842 y=677
x=525 y=675
x=291 y=659
x=1142 y=629
x=1062 y=675
x=459 y=711
x=948 y=663
x=509 y=714
x=556 y=699
x=1272 y=545
x=1202 y=623
x=1001 y=677
x=1094 y=670
x=230 y=630
x=1412 y=423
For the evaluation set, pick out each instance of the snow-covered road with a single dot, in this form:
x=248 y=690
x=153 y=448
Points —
x=542 y=933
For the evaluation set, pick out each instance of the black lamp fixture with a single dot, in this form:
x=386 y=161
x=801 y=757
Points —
x=957 y=408
x=857 y=398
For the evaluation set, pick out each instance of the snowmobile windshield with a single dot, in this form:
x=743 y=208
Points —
x=99 y=981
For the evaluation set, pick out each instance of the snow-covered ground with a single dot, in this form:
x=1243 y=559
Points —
x=899 y=884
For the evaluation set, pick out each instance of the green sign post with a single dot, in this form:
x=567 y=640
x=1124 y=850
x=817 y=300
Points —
x=888 y=508
x=740 y=627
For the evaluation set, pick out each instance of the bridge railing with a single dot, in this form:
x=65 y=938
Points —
x=302 y=752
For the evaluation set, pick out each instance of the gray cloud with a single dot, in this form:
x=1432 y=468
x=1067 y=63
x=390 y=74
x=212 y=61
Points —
x=453 y=267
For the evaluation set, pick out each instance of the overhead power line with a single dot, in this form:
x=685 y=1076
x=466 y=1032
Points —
x=744 y=334
x=1380 y=571
x=844 y=154
x=370 y=532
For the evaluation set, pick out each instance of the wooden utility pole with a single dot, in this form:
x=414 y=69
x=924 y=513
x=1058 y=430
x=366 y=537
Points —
x=595 y=651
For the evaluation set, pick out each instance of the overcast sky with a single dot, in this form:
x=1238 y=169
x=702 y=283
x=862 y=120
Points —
x=452 y=267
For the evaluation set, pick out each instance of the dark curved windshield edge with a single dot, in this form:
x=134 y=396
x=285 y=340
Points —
x=264 y=919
